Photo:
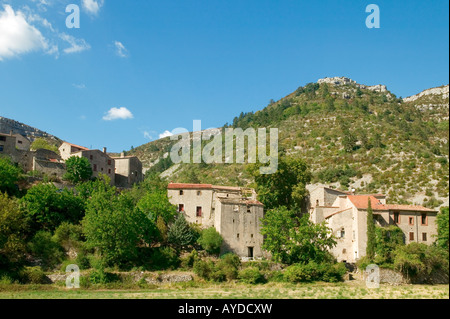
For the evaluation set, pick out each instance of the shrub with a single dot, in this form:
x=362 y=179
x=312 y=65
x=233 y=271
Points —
x=69 y=235
x=189 y=260
x=203 y=268
x=33 y=275
x=164 y=258
x=44 y=247
x=229 y=265
x=99 y=276
x=252 y=275
x=211 y=240
x=297 y=273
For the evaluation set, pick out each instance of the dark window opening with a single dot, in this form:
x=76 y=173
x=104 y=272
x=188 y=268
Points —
x=95 y=167
x=199 y=193
x=424 y=219
x=411 y=236
x=411 y=221
x=91 y=157
x=109 y=162
x=181 y=208
x=3 y=138
x=397 y=218
x=424 y=236
x=1 y=148
x=181 y=192
x=20 y=142
x=250 y=252
x=199 y=211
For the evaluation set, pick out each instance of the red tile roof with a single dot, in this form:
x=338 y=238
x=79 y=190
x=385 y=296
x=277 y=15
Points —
x=361 y=202
x=410 y=208
x=189 y=186
x=78 y=146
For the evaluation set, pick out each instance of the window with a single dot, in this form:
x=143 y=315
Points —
x=411 y=221
x=411 y=236
x=109 y=171
x=199 y=211
x=248 y=209
x=317 y=202
x=20 y=142
x=181 y=208
x=95 y=167
x=237 y=236
x=199 y=193
x=424 y=236
x=250 y=252
x=342 y=234
x=181 y=192
x=424 y=219
x=251 y=236
x=109 y=162
x=102 y=169
x=397 y=217
x=1 y=148
x=3 y=138
x=91 y=157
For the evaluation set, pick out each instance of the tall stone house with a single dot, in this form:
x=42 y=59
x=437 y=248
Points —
x=128 y=170
x=346 y=214
x=233 y=211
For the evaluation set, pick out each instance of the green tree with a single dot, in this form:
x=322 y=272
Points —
x=13 y=227
x=115 y=228
x=78 y=169
x=181 y=234
x=41 y=143
x=157 y=204
x=443 y=228
x=47 y=207
x=292 y=239
x=9 y=176
x=286 y=187
x=211 y=240
x=371 y=239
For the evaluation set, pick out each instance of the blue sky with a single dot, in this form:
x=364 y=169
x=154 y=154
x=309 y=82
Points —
x=159 y=65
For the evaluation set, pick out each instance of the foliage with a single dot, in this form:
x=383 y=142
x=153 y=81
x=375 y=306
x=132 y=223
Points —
x=371 y=240
x=229 y=265
x=41 y=143
x=387 y=240
x=181 y=234
x=286 y=187
x=442 y=228
x=313 y=271
x=224 y=269
x=33 y=275
x=157 y=204
x=416 y=259
x=13 y=227
x=45 y=248
x=211 y=240
x=69 y=235
x=114 y=227
x=78 y=169
x=251 y=275
x=292 y=239
x=47 y=207
x=9 y=176
x=164 y=258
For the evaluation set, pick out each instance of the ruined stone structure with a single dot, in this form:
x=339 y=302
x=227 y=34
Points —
x=128 y=170
x=233 y=211
x=346 y=214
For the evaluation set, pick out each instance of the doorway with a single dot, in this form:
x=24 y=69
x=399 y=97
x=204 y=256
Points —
x=250 y=252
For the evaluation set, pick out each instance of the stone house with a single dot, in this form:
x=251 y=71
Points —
x=347 y=217
x=233 y=211
x=128 y=170
x=7 y=144
x=22 y=143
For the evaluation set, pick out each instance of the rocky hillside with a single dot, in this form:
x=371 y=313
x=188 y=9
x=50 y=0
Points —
x=351 y=135
x=8 y=125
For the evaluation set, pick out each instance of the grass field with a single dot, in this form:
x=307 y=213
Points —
x=347 y=290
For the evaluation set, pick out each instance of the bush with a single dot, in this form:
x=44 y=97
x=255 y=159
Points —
x=312 y=271
x=99 y=276
x=33 y=275
x=164 y=258
x=252 y=275
x=45 y=248
x=297 y=273
x=229 y=265
x=189 y=260
x=203 y=268
x=211 y=240
x=69 y=235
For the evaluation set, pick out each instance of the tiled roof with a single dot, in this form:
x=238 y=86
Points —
x=78 y=146
x=410 y=208
x=189 y=186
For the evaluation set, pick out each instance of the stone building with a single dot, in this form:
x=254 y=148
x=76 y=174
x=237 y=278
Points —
x=233 y=211
x=346 y=214
x=7 y=144
x=22 y=143
x=128 y=170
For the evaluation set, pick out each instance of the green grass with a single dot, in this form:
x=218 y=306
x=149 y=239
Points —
x=351 y=290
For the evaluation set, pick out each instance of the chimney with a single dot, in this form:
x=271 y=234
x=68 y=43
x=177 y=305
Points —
x=122 y=155
x=104 y=150
x=11 y=133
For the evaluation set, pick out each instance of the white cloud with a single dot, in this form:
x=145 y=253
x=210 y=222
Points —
x=118 y=114
x=76 y=45
x=17 y=36
x=80 y=86
x=148 y=135
x=92 y=6
x=165 y=134
x=120 y=49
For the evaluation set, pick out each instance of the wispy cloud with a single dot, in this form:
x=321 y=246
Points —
x=92 y=6
x=80 y=86
x=17 y=36
x=76 y=45
x=165 y=134
x=120 y=49
x=121 y=113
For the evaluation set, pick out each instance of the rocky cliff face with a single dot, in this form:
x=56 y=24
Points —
x=8 y=125
x=338 y=81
